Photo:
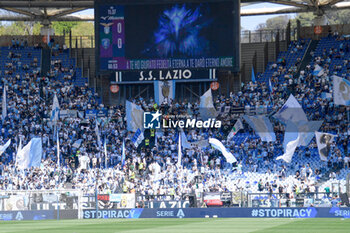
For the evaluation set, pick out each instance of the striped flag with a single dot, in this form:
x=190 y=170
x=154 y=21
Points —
x=237 y=127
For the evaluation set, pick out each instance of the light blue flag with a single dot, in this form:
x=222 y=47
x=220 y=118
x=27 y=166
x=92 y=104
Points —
x=30 y=155
x=184 y=142
x=138 y=137
x=318 y=71
x=341 y=91
x=123 y=154
x=55 y=110
x=326 y=95
x=4 y=147
x=307 y=130
x=164 y=91
x=97 y=131
x=270 y=86
x=179 y=153
x=262 y=127
x=290 y=143
x=134 y=116
x=253 y=75
x=291 y=111
x=77 y=143
x=206 y=106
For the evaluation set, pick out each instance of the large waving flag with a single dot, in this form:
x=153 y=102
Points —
x=219 y=146
x=164 y=90
x=184 y=142
x=134 y=117
x=341 y=91
x=262 y=127
x=307 y=130
x=206 y=106
x=324 y=141
x=290 y=143
x=237 y=127
x=30 y=155
x=55 y=110
x=4 y=147
x=138 y=138
x=291 y=111
x=4 y=105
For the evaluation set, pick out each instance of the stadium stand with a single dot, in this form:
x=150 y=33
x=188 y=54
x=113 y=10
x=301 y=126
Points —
x=152 y=170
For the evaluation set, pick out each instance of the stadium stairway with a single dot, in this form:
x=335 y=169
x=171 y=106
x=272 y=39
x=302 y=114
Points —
x=46 y=61
x=307 y=56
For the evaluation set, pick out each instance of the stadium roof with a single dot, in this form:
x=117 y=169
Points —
x=63 y=10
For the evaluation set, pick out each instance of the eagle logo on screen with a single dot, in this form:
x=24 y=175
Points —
x=179 y=33
x=106 y=43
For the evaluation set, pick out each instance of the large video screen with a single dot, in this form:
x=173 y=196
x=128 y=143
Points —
x=140 y=35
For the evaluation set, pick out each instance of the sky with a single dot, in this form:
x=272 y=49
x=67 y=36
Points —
x=251 y=22
x=247 y=22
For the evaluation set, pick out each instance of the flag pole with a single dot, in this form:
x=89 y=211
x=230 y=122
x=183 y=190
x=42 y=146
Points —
x=58 y=150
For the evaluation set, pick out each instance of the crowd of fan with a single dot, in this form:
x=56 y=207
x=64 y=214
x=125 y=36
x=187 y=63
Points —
x=152 y=169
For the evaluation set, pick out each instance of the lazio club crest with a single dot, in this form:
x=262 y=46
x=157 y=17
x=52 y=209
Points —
x=106 y=43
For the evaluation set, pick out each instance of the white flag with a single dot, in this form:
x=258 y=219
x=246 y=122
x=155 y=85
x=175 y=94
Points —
x=291 y=111
x=324 y=141
x=105 y=151
x=290 y=143
x=55 y=110
x=19 y=146
x=206 y=106
x=134 y=117
x=237 y=127
x=307 y=130
x=179 y=158
x=341 y=91
x=58 y=150
x=97 y=131
x=30 y=155
x=4 y=147
x=184 y=142
x=4 y=105
x=262 y=126
x=219 y=146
